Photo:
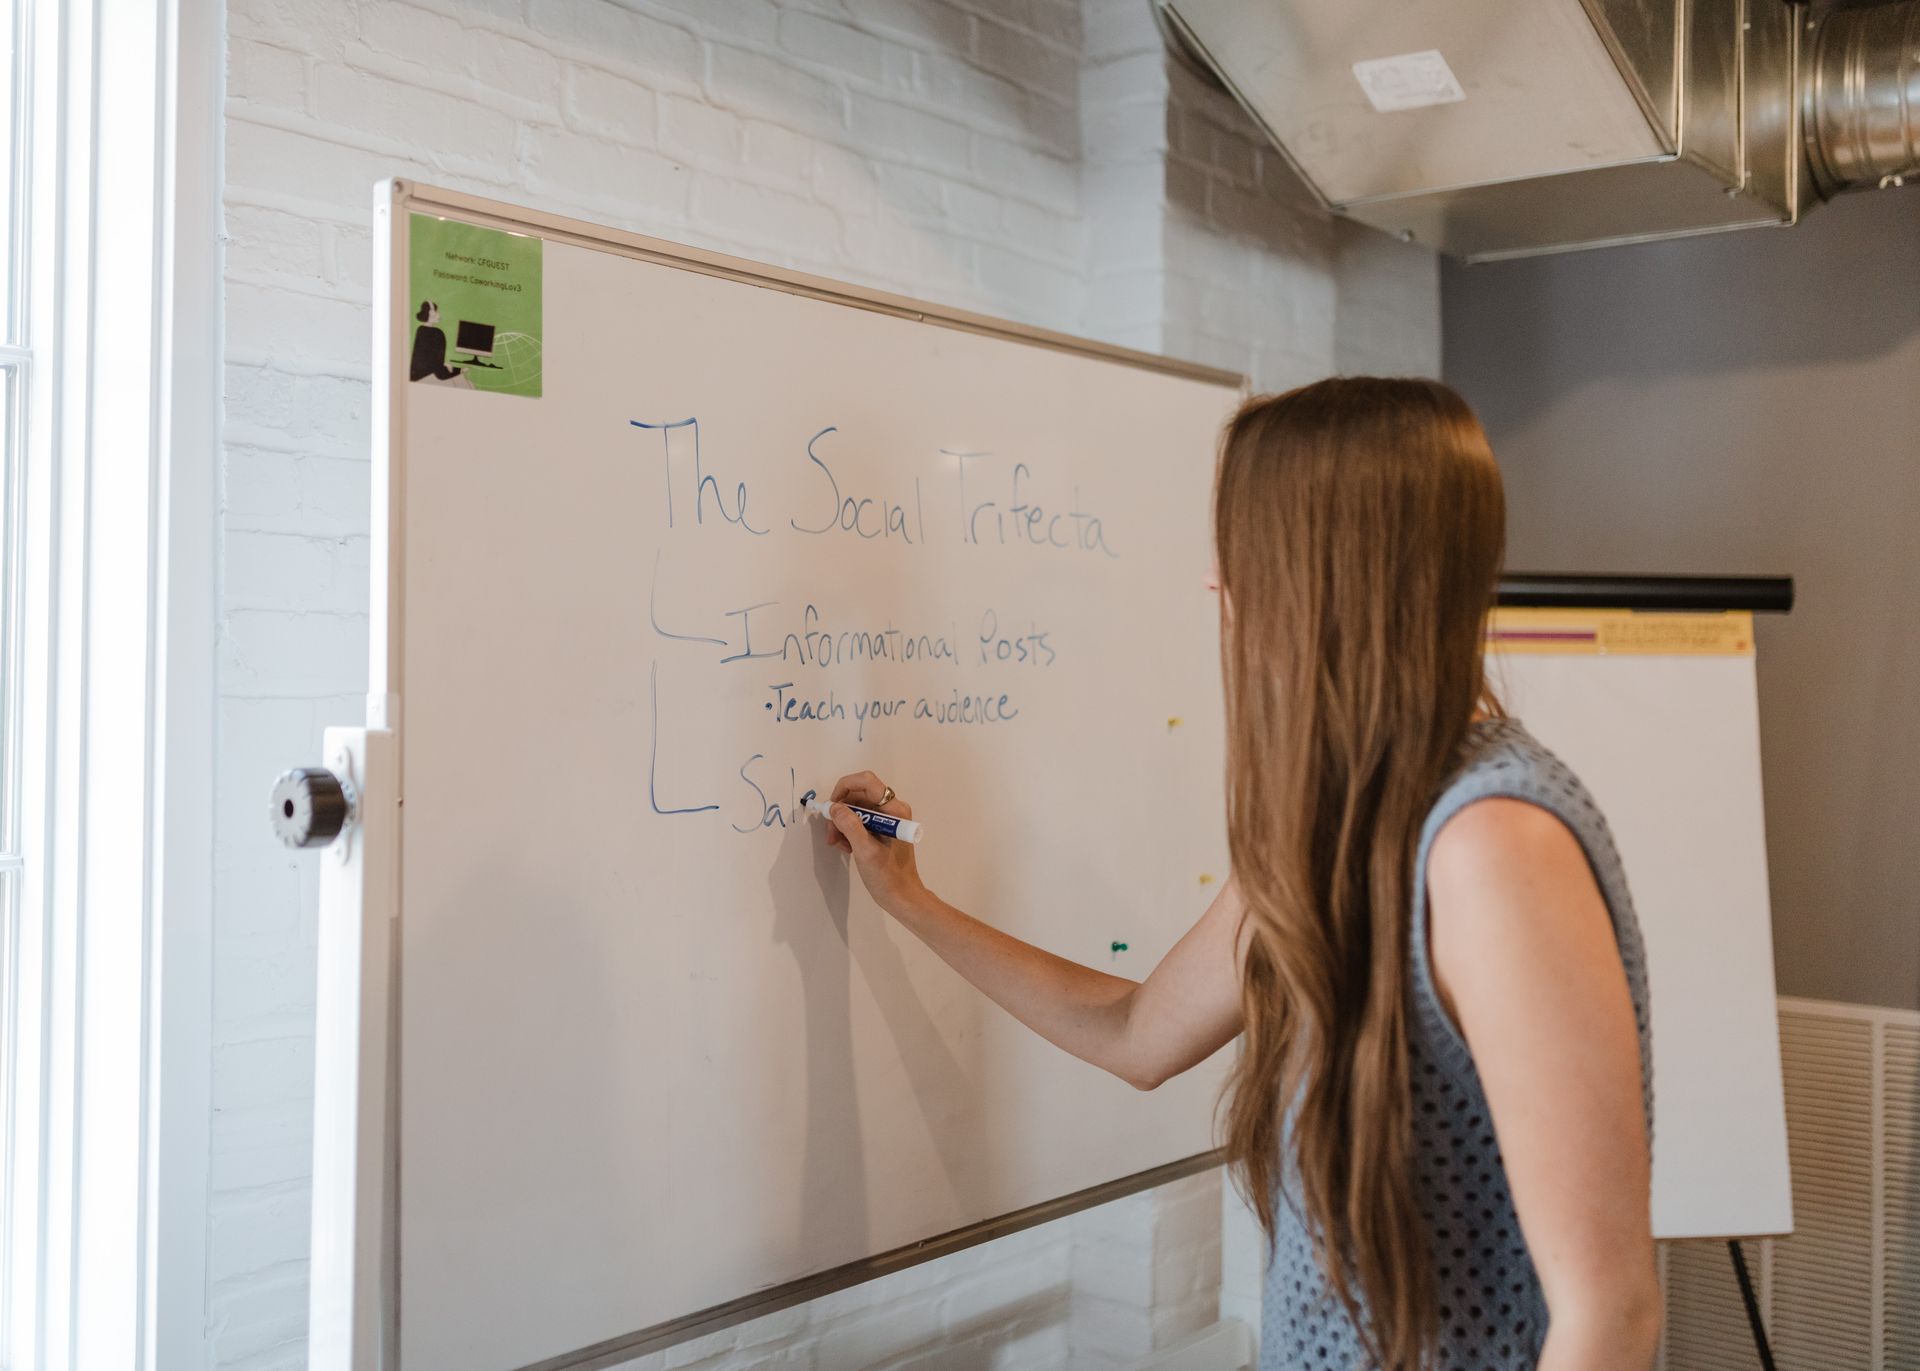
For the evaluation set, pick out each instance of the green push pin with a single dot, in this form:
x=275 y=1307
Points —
x=1119 y=947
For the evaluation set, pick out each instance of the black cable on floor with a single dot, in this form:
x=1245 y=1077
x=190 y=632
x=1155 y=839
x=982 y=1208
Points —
x=1760 y=1343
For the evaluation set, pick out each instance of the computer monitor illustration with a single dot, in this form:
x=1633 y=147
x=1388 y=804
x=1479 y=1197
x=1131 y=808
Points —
x=475 y=338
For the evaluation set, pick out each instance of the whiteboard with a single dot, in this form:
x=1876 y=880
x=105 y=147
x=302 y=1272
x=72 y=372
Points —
x=656 y=1049
x=1659 y=716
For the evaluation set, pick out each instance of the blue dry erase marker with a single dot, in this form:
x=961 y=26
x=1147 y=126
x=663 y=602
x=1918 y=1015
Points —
x=906 y=830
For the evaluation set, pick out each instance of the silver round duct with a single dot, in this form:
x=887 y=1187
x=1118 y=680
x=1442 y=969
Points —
x=1862 y=113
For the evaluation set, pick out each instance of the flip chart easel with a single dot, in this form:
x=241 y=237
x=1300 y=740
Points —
x=1656 y=709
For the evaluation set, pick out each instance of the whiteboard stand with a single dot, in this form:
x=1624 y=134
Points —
x=1149 y=417
x=350 y=1275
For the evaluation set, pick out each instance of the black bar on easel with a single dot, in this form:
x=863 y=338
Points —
x=1757 y=594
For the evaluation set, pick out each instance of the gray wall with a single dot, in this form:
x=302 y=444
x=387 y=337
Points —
x=1747 y=402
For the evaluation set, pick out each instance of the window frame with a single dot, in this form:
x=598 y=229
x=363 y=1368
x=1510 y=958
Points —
x=16 y=370
x=107 y=1031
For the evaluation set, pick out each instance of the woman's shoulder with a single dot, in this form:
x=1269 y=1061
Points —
x=1513 y=810
x=1501 y=752
x=1500 y=759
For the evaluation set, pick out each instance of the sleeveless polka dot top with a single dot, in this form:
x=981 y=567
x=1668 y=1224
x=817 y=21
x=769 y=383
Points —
x=1493 y=1316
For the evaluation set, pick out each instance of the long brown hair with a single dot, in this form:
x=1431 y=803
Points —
x=1359 y=525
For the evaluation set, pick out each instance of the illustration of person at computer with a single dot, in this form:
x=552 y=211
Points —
x=430 y=347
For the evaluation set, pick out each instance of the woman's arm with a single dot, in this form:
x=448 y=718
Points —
x=1143 y=1032
x=1526 y=960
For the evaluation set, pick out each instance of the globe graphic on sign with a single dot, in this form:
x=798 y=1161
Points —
x=518 y=357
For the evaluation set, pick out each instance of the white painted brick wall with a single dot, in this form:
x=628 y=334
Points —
x=1146 y=1271
x=1242 y=1260
x=1028 y=158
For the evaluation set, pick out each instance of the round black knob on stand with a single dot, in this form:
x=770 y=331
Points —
x=311 y=806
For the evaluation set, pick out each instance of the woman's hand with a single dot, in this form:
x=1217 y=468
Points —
x=887 y=866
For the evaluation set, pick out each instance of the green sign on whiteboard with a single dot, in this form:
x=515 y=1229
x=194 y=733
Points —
x=475 y=297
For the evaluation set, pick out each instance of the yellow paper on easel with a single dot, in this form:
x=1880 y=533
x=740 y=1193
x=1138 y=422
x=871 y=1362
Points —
x=1599 y=632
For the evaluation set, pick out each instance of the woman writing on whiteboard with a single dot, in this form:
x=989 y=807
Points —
x=1440 y=1111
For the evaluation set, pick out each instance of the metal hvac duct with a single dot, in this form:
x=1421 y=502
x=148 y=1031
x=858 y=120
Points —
x=1863 y=98
x=1500 y=128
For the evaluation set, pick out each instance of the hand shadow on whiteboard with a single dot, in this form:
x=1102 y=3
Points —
x=827 y=944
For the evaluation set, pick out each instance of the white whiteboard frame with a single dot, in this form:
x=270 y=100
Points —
x=354 y=1300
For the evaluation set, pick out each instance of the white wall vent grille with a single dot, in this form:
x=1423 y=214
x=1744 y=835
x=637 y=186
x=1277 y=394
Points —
x=1900 y=1276
x=1843 y=1292
x=1706 y=1325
